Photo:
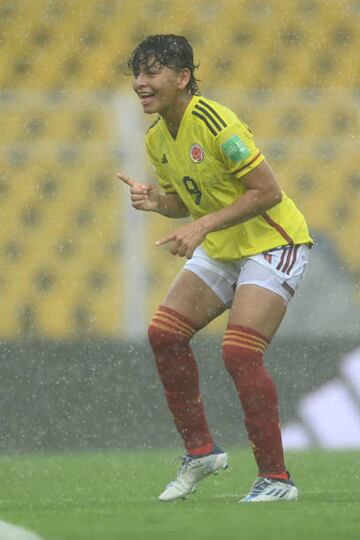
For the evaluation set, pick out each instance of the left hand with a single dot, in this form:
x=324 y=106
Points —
x=185 y=240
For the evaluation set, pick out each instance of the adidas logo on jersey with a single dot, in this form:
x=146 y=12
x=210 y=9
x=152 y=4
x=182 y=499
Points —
x=164 y=159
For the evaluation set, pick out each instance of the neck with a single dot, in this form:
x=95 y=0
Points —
x=174 y=115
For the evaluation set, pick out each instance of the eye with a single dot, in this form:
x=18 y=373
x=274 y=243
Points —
x=153 y=71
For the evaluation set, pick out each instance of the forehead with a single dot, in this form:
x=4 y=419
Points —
x=154 y=66
x=151 y=64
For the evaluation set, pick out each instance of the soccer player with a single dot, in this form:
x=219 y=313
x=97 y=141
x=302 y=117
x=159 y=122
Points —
x=246 y=247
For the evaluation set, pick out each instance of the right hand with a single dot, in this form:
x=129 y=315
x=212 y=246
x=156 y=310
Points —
x=143 y=196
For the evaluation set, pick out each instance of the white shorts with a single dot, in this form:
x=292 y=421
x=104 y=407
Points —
x=279 y=270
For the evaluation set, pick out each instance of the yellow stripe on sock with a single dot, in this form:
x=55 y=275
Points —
x=248 y=335
x=161 y=315
x=166 y=328
x=244 y=341
x=243 y=345
x=175 y=319
x=255 y=339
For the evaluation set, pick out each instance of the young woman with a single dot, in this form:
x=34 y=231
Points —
x=247 y=249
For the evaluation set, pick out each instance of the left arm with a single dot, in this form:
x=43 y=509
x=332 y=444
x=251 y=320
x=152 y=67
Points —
x=262 y=192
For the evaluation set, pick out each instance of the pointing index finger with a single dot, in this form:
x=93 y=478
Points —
x=126 y=179
x=165 y=240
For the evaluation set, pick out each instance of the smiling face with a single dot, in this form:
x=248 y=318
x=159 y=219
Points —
x=160 y=88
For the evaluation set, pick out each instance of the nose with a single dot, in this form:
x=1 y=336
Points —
x=139 y=81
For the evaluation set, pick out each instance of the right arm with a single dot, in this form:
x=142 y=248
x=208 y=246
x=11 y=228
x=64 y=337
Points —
x=147 y=197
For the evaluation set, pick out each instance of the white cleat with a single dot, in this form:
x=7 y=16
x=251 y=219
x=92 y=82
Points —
x=270 y=489
x=191 y=472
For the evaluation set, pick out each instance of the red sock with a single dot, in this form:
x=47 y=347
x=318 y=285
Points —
x=283 y=476
x=243 y=350
x=169 y=336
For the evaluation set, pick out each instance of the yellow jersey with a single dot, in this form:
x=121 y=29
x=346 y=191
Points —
x=205 y=165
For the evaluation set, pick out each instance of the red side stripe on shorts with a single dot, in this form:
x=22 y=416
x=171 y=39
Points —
x=293 y=260
x=288 y=259
x=281 y=262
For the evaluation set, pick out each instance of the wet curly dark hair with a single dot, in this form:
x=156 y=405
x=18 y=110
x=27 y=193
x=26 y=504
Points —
x=168 y=50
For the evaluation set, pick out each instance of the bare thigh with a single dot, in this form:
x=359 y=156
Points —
x=257 y=308
x=194 y=299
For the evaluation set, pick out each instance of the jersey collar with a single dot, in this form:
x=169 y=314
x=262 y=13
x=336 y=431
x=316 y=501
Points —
x=184 y=120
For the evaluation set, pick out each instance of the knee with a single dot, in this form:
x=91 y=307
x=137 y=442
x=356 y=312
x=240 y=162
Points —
x=242 y=349
x=169 y=330
x=163 y=340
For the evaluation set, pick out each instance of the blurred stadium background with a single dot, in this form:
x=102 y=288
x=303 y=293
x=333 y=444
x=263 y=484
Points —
x=79 y=272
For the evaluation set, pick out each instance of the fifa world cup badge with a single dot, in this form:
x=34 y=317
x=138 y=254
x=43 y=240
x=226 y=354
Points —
x=197 y=153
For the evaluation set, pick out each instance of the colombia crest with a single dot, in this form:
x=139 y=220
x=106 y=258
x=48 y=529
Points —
x=197 y=153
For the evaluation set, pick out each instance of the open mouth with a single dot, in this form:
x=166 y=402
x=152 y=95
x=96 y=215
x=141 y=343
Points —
x=145 y=97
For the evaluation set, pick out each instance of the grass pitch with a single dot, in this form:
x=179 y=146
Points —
x=113 y=496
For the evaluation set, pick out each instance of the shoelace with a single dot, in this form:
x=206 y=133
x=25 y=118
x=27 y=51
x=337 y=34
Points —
x=258 y=485
x=185 y=462
x=261 y=483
